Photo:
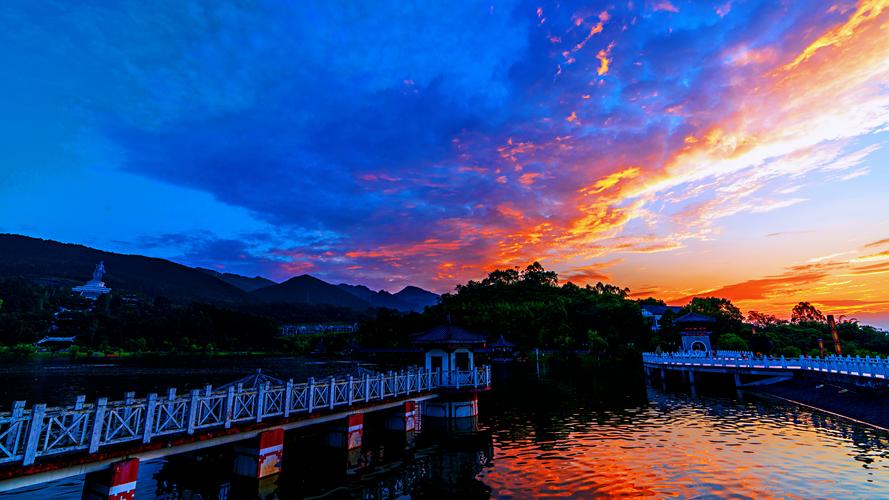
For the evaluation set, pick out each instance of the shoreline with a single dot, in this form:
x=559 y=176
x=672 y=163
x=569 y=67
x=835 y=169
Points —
x=863 y=406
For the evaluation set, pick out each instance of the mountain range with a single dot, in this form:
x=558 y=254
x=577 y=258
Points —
x=70 y=264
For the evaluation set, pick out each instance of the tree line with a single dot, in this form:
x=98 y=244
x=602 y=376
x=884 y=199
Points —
x=767 y=334
x=529 y=307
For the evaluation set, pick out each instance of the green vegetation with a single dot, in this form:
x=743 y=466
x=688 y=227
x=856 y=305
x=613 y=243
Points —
x=766 y=333
x=530 y=308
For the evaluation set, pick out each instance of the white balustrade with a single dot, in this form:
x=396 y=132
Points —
x=27 y=434
x=867 y=367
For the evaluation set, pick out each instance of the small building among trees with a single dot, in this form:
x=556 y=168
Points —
x=695 y=329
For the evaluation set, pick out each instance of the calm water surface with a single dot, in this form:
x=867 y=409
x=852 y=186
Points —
x=571 y=435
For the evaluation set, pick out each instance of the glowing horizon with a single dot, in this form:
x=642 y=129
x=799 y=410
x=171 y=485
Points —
x=680 y=149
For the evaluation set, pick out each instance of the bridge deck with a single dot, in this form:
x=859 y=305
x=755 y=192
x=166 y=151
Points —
x=875 y=368
x=85 y=437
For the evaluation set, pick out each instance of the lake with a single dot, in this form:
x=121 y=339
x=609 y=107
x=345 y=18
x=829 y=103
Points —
x=572 y=433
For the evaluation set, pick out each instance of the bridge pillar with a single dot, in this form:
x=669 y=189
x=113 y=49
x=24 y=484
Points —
x=405 y=421
x=691 y=377
x=348 y=436
x=452 y=406
x=403 y=418
x=118 y=482
x=263 y=458
x=737 y=380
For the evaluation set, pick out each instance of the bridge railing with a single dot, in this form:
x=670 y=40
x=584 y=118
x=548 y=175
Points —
x=871 y=367
x=478 y=377
x=28 y=434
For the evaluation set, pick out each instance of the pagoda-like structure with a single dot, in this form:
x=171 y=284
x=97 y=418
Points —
x=94 y=288
x=695 y=329
x=450 y=354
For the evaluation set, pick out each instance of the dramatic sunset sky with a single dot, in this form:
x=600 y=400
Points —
x=731 y=148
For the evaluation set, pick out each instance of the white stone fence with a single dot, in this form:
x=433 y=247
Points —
x=27 y=434
x=868 y=367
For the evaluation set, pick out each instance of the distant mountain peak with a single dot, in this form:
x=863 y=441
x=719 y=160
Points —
x=243 y=282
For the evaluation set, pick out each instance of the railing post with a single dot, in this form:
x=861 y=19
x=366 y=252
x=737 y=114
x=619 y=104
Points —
x=229 y=406
x=332 y=389
x=96 y=436
x=310 y=399
x=260 y=397
x=351 y=386
x=474 y=378
x=288 y=393
x=150 y=406
x=13 y=439
x=382 y=383
x=34 y=431
x=129 y=399
x=193 y=411
x=366 y=387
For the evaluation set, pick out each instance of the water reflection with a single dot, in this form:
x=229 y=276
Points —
x=578 y=433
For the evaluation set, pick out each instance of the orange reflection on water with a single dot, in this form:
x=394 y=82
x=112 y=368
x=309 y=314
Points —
x=689 y=451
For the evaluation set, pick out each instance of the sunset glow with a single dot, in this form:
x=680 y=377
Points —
x=678 y=148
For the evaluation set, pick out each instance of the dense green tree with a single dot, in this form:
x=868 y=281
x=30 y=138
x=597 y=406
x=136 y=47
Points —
x=732 y=342
x=804 y=312
x=762 y=320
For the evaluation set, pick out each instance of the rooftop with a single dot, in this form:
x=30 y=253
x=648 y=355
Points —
x=694 y=317
x=448 y=334
x=658 y=310
x=502 y=342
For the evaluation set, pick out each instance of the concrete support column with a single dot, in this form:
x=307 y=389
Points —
x=263 y=458
x=118 y=482
x=691 y=377
x=349 y=435
x=452 y=406
x=404 y=418
x=737 y=380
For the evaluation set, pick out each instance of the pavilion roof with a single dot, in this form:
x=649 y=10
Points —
x=694 y=317
x=502 y=342
x=448 y=334
x=658 y=310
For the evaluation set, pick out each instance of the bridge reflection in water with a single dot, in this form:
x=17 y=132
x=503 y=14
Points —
x=108 y=440
x=441 y=459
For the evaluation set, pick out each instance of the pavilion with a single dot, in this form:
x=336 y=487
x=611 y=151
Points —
x=449 y=348
x=695 y=329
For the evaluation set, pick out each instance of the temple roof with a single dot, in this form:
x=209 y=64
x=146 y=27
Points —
x=502 y=342
x=448 y=334
x=658 y=310
x=694 y=317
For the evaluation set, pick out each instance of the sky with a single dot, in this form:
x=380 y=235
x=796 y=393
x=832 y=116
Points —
x=730 y=148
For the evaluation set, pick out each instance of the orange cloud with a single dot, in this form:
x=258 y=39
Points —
x=877 y=243
x=868 y=10
x=665 y=6
x=602 y=56
x=584 y=276
x=759 y=288
x=611 y=180
x=529 y=178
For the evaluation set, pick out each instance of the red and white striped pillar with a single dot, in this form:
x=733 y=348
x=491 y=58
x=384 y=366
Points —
x=348 y=436
x=116 y=483
x=263 y=459
x=404 y=418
